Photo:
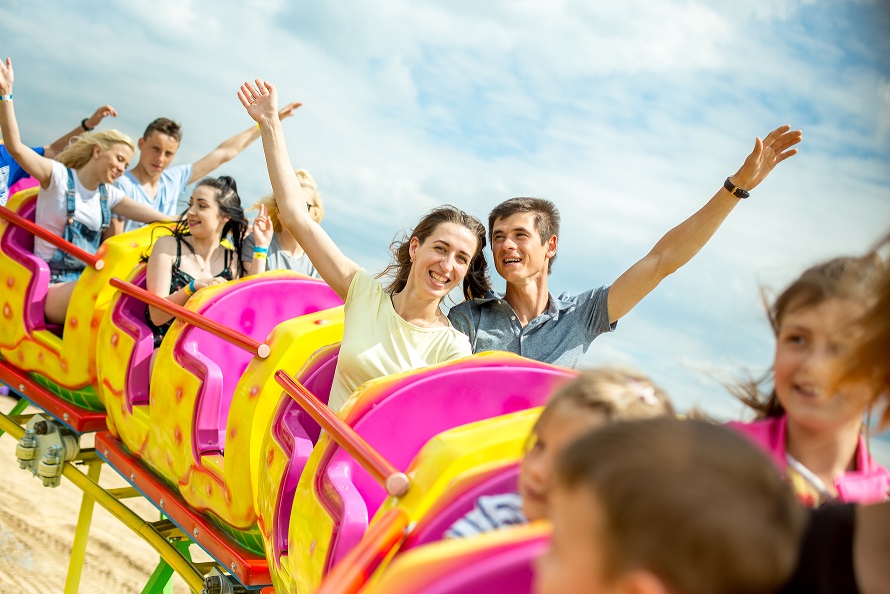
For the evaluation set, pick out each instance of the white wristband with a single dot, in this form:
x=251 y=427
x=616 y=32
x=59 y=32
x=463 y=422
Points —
x=6 y=97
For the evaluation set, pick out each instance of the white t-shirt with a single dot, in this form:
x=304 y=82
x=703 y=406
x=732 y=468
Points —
x=378 y=342
x=52 y=211
x=172 y=183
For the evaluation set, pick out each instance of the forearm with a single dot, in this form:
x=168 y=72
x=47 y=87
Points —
x=9 y=129
x=62 y=143
x=130 y=209
x=234 y=145
x=288 y=194
x=256 y=266
x=683 y=242
x=158 y=316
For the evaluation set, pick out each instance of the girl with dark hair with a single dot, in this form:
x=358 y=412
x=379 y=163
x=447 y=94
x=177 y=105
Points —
x=193 y=257
x=388 y=329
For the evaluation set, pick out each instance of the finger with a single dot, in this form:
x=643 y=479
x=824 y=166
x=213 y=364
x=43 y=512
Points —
x=785 y=155
x=776 y=133
x=260 y=87
x=243 y=97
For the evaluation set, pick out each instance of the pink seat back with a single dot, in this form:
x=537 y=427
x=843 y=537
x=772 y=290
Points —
x=418 y=407
x=253 y=308
x=128 y=314
x=297 y=433
x=18 y=244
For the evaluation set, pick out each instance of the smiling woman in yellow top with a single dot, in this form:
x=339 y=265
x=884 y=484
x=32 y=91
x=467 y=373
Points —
x=387 y=329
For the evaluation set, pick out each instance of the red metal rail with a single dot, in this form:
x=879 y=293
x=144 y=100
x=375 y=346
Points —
x=394 y=481
x=85 y=257
x=247 y=343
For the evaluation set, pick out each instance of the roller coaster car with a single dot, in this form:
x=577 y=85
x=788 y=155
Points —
x=335 y=497
x=199 y=422
x=495 y=563
x=59 y=358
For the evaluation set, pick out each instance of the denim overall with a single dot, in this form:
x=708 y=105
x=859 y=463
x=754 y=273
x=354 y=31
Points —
x=62 y=266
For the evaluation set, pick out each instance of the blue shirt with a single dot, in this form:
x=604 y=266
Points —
x=172 y=183
x=11 y=172
x=559 y=336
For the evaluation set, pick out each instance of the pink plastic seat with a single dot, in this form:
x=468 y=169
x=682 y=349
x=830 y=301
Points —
x=399 y=422
x=253 y=308
x=297 y=434
x=18 y=244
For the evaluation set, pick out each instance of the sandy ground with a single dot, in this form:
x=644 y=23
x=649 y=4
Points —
x=37 y=530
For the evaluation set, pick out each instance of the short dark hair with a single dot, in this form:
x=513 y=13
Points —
x=546 y=218
x=164 y=126
x=696 y=504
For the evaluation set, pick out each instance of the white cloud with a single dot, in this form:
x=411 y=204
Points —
x=627 y=114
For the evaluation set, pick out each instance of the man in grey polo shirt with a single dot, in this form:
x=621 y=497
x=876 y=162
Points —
x=529 y=321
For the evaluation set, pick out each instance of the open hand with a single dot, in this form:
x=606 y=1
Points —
x=768 y=153
x=100 y=114
x=262 y=228
x=288 y=110
x=260 y=101
x=6 y=77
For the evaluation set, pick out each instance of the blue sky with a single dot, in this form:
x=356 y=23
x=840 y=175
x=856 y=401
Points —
x=628 y=114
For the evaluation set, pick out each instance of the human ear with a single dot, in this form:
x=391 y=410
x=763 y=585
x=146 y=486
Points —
x=412 y=247
x=140 y=143
x=551 y=246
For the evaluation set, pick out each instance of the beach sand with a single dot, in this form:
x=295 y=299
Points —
x=37 y=529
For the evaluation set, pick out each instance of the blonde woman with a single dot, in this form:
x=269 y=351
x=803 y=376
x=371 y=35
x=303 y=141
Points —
x=76 y=194
x=270 y=245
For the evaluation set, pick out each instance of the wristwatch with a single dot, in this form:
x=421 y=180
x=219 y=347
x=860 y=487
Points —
x=735 y=190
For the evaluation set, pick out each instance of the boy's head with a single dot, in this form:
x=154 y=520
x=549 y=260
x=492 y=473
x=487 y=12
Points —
x=159 y=144
x=595 y=397
x=530 y=229
x=666 y=505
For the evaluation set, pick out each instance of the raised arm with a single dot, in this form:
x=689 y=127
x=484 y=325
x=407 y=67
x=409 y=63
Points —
x=86 y=125
x=37 y=166
x=334 y=267
x=130 y=209
x=685 y=240
x=230 y=148
x=262 y=232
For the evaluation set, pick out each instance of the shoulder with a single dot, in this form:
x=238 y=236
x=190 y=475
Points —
x=179 y=174
x=165 y=245
x=590 y=295
x=126 y=183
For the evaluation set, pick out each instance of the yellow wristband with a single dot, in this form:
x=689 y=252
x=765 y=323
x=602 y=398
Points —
x=259 y=255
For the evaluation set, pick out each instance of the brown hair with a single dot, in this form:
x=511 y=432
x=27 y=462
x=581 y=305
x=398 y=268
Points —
x=546 y=217
x=617 y=393
x=477 y=281
x=869 y=358
x=695 y=504
x=307 y=182
x=80 y=151
x=851 y=279
x=164 y=126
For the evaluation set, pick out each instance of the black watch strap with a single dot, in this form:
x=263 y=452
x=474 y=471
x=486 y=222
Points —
x=735 y=190
x=83 y=124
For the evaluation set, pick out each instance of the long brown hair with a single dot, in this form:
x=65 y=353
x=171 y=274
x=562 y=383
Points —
x=870 y=358
x=847 y=278
x=477 y=281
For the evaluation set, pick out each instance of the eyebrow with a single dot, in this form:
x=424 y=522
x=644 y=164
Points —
x=448 y=245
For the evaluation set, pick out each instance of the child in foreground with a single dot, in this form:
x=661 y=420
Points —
x=809 y=424
x=667 y=505
x=592 y=399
